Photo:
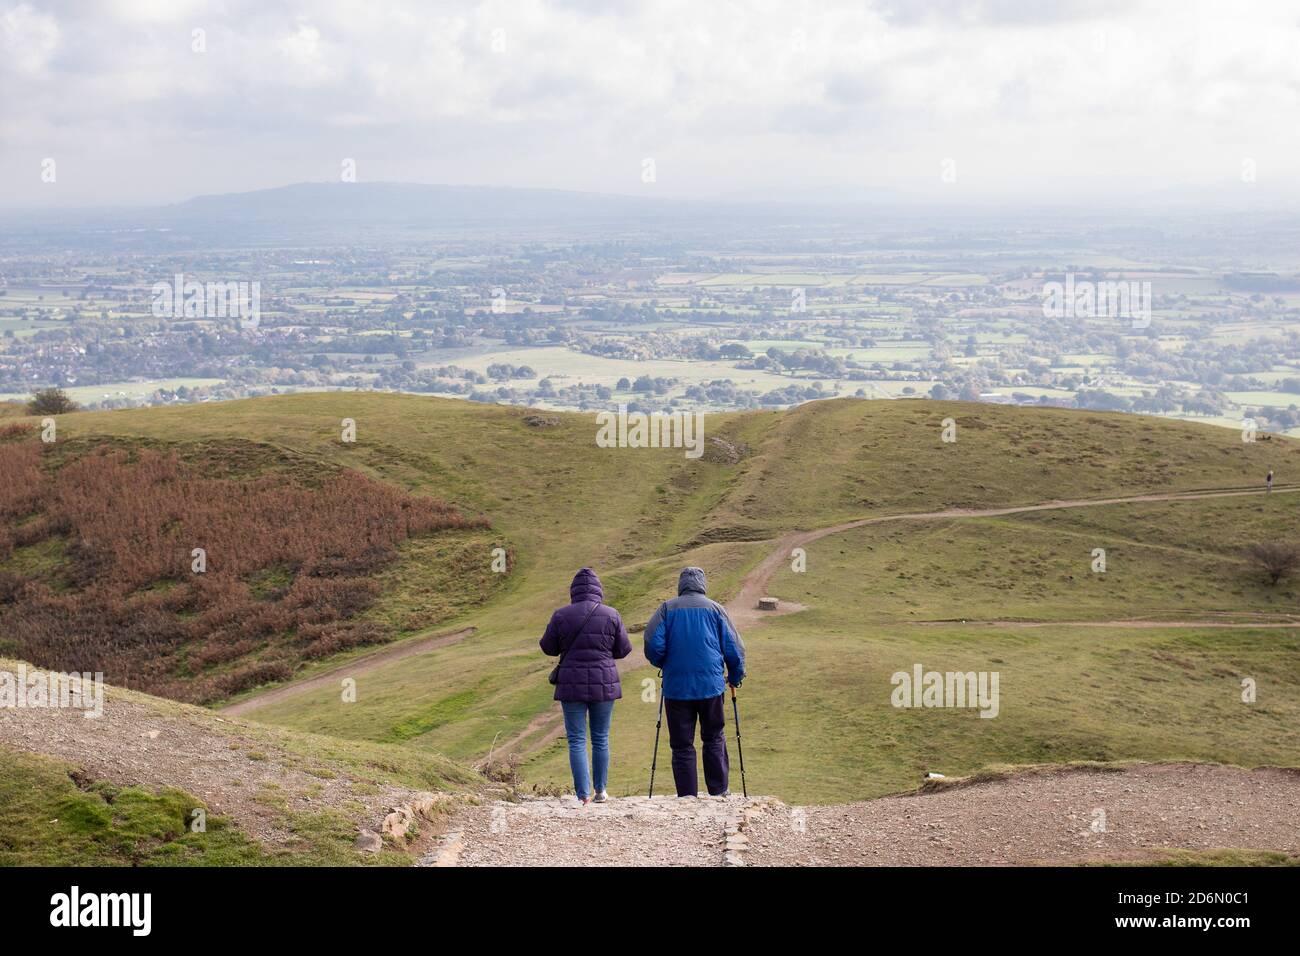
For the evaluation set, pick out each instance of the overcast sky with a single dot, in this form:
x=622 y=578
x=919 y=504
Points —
x=941 y=99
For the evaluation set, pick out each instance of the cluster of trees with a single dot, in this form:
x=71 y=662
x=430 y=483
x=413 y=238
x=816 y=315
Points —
x=504 y=371
x=408 y=377
x=647 y=384
x=722 y=391
x=793 y=394
x=813 y=360
x=580 y=396
x=1165 y=400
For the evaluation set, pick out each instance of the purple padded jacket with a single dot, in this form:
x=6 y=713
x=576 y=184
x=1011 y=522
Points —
x=588 y=672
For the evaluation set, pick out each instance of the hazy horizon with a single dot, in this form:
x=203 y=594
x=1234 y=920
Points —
x=1173 y=203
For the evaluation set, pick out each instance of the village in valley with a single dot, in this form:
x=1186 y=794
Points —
x=1007 y=312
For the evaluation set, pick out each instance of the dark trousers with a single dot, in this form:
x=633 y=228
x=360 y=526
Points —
x=682 y=715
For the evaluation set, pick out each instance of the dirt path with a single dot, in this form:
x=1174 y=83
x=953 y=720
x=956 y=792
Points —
x=353 y=668
x=743 y=608
x=1067 y=815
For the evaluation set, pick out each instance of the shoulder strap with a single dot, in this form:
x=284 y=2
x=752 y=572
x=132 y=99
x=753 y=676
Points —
x=578 y=631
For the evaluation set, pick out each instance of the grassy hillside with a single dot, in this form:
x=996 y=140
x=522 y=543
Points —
x=825 y=462
x=1176 y=560
x=818 y=720
x=819 y=725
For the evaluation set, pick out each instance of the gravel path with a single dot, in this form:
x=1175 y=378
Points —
x=626 y=831
x=1045 y=817
x=1057 y=816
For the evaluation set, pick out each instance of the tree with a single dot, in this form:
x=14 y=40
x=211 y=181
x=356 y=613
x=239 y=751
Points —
x=51 y=401
x=1277 y=558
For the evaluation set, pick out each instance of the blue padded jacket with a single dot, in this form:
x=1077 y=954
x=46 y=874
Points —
x=691 y=639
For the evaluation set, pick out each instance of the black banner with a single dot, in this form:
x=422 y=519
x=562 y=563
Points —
x=138 y=906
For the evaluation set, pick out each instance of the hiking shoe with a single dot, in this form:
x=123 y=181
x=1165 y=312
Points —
x=601 y=797
x=584 y=800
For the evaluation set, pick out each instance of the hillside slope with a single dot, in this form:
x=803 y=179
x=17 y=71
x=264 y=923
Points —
x=124 y=788
x=197 y=570
x=1083 y=684
x=825 y=462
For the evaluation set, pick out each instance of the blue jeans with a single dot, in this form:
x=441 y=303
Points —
x=575 y=728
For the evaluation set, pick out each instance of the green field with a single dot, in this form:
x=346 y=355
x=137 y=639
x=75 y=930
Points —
x=87 y=394
x=1265 y=399
x=567 y=367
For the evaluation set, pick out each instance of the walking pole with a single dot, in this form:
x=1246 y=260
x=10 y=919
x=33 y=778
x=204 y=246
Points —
x=658 y=723
x=735 y=710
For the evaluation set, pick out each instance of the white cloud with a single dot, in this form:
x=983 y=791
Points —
x=27 y=40
x=306 y=59
x=764 y=97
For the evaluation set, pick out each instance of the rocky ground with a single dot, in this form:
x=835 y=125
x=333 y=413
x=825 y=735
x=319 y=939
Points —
x=626 y=831
x=1068 y=815
x=236 y=769
x=1051 y=815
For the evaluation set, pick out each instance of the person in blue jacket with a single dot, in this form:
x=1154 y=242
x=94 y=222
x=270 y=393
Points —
x=693 y=641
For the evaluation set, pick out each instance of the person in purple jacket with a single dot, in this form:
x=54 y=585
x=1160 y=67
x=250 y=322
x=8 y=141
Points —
x=588 y=636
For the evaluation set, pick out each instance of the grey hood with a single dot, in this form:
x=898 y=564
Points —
x=692 y=579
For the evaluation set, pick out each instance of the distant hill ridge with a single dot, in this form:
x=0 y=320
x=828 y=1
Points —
x=418 y=204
